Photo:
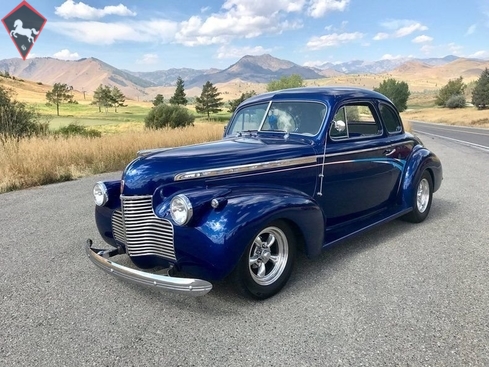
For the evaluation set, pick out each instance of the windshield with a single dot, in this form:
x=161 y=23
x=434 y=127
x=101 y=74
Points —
x=303 y=118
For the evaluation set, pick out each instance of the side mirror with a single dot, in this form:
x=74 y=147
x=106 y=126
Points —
x=340 y=126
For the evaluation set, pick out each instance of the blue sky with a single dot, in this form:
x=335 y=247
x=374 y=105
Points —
x=153 y=35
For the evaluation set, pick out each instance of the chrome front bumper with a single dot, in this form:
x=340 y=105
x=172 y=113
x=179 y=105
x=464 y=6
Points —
x=187 y=286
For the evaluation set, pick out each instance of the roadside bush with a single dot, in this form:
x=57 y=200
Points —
x=171 y=116
x=456 y=101
x=17 y=120
x=75 y=129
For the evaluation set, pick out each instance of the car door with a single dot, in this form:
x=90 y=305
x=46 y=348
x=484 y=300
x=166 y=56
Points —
x=360 y=175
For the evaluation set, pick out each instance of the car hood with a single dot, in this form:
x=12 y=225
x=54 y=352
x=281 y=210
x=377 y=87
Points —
x=155 y=168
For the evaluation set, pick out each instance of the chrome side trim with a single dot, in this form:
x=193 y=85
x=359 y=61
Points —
x=244 y=168
x=187 y=286
x=213 y=172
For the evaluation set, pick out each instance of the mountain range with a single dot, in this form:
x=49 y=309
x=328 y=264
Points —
x=88 y=73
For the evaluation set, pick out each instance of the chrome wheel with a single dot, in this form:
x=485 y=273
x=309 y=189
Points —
x=423 y=195
x=421 y=199
x=268 y=256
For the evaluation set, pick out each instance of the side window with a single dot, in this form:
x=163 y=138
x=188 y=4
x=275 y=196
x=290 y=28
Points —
x=390 y=118
x=354 y=121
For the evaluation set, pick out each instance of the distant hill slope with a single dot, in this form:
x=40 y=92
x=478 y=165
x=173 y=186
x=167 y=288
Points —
x=249 y=73
x=256 y=69
x=83 y=74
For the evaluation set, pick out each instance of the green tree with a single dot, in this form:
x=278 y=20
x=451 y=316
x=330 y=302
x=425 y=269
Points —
x=171 y=116
x=103 y=97
x=178 y=97
x=452 y=88
x=209 y=100
x=396 y=91
x=159 y=99
x=480 y=94
x=286 y=82
x=59 y=94
x=118 y=98
x=233 y=104
x=17 y=120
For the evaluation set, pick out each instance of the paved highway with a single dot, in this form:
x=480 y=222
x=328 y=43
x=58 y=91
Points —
x=475 y=137
x=400 y=295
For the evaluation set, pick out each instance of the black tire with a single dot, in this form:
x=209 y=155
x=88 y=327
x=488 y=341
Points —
x=266 y=265
x=422 y=197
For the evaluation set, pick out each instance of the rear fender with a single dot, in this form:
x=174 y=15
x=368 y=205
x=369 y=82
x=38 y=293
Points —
x=420 y=160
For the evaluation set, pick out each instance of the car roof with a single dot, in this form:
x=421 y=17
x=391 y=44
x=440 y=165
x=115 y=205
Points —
x=318 y=93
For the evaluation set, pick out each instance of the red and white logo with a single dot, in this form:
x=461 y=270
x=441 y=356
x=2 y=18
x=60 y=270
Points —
x=24 y=25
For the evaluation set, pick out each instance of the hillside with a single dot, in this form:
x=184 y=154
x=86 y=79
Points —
x=83 y=75
x=248 y=73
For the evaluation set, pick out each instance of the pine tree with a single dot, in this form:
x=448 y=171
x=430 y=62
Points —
x=233 y=104
x=104 y=97
x=480 y=94
x=118 y=98
x=59 y=94
x=179 y=95
x=159 y=99
x=209 y=100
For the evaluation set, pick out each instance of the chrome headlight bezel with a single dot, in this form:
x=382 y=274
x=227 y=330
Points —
x=100 y=194
x=181 y=210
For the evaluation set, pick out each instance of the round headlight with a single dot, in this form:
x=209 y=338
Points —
x=181 y=209
x=100 y=194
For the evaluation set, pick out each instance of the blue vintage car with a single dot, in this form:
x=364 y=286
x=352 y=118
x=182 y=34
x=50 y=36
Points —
x=297 y=169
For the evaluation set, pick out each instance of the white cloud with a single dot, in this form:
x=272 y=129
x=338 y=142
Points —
x=100 y=33
x=454 y=48
x=480 y=54
x=221 y=28
x=407 y=30
x=471 y=29
x=426 y=49
x=391 y=57
x=66 y=55
x=400 y=28
x=148 y=59
x=318 y=8
x=313 y=64
x=422 y=39
x=334 y=39
x=381 y=36
x=70 y=9
x=226 y=52
x=205 y=9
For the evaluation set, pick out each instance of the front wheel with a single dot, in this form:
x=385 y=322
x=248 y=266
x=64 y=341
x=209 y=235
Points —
x=267 y=262
x=422 y=199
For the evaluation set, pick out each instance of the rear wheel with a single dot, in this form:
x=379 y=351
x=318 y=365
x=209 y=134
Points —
x=267 y=263
x=423 y=196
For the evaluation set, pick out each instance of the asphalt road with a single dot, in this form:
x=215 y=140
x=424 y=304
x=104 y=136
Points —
x=402 y=294
x=475 y=137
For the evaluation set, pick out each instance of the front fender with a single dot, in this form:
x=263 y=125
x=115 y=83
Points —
x=218 y=237
x=103 y=214
x=420 y=160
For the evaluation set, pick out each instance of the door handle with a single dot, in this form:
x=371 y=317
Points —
x=389 y=151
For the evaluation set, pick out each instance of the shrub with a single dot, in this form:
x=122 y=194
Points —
x=456 y=101
x=75 y=129
x=17 y=120
x=397 y=91
x=171 y=116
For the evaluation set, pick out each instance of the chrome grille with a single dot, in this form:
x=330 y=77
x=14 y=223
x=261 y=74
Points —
x=140 y=230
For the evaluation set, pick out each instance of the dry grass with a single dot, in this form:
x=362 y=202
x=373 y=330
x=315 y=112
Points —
x=40 y=161
x=468 y=116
